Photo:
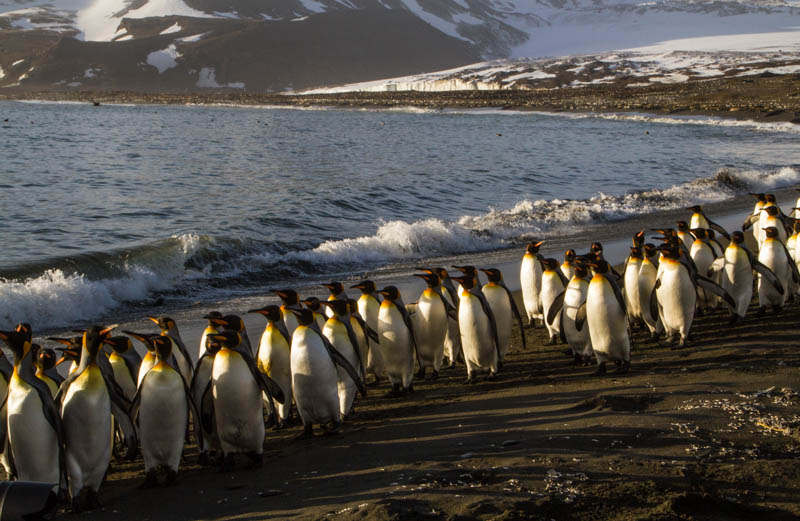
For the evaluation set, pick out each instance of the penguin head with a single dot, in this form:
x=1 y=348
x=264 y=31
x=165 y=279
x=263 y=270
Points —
x=120 y=344
x=467 y=282
x=737 y=237
x=18 y=342
x=305 y=316
x=772 y=211
x=229 y=338
x=272 y=312
x=683 y=226
x=69 y=354
x=771 y=232
x=550 y=264
x=769 y=198
x=760 y=197
x=431 y=279
x=596 y=247
x=210 y=315
x=636 y=252
x=533 y=247
x=638 y=238
x=338 y=306
x=212 y=346
x=666 y=232
x=26 y=329
x=469 y=271
x=46 y=359
x=165 y=323
x=163 y=347
x=650 y=250
x=366 y=286
x=493 y=274
x=600 y=266
x=289 y=297
x=669 y=251
x=699 y=233
x=569 y=255
x=229 y=322
x=144 y=338
x=391 y=293
x=696 y=208
x=313 y=303
x=334 y=287
x=94 y=336
x=581 y=271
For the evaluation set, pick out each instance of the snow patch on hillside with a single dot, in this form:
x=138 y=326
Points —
x=164 y=59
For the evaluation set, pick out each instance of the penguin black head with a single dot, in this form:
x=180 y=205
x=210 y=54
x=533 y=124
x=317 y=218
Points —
x=305 y=316
x=144 y=338
x=165 y=323
x=366 y=286
x=469 y=271
x=229 y=338
x=666 y=232
x=391 y=293
x=650 y=250
x=737 y=237
x=212 y=346
x=638 y=238
x=769 y=198
x=581 y=271
x=533 y=247
x=230 y=322
x=467 y=282
x=272 y=312
x=700 y=233
x=339 y=307
x=18 y=342
x=69 y=354
x=120 y=344
x=212 y=314
x=550 y=264
x=596 y=247
x=25 y=328
x=94 y=336
x=431 y=279
x=334 y=287
x=313 y=304
x=636 y=252
x=772 y=211
x=669 y=251
x=771 y=232
x=163 y=347
x=289 y=297
x=46 y=359
x=761 y=197
x=569 y=255
x=493 y=274
x=600 y=266
x=683 y=226
x=696 y=208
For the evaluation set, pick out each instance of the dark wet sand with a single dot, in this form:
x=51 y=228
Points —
x=708 y=432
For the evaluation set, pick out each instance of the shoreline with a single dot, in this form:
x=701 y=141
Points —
x=757 y=98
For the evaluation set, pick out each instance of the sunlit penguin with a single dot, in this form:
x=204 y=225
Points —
x=340 y=333
x=597 y=249
x=530 y=278
x=314 y=304
x=675 y=295
x=606 y=319
x=685 y=235
x=631 y=290
x=568 y=305
x=88 y=399
x=568 y=266
x=648 y=272
x=274 y=356
x=236 y=386
x=754 y=219
x=314 y=375
x=452 y=339
x=45 y=362
x=203 y=397
x=398 y=344
x=703 y=256
x=161 y=409
x=700 y=220
x=336 y=292
x=210 y=329
x=776 y=219
x=184 y=362
x=289 y=298
x=71 y=353
x=737 y=275
x=369 y=305
x=791 y=247
x=125 y=363
x=773 y=255
x=430 y=324
x=30 y=423
x=235 y=323
x=149 y=358
x=553 y=284
x=478 y=328
x=504 y=308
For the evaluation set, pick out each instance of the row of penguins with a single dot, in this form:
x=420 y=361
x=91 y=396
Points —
x=313 y=353
x=317 y=354
x=697 y=267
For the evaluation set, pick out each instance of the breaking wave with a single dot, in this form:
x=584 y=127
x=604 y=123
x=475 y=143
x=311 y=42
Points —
x=66 y=291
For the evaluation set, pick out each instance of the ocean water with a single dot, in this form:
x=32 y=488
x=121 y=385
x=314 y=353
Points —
x=106 y=210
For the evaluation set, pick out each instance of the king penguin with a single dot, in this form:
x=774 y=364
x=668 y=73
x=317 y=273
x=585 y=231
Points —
x=737 y=275
x=504 y=308
x=675 y=297
x=314 y=375
x=337 y=292
x=647 y=282
x=149 y=358
x=71 y=353
x=45 y=362
x=274 y=356
x=430 y=324
x=700 y=220
x=605 y=315
x=184 y=362
x=204 y=401
x=773 y=255
x=478 y=329
x=341 y=335
x=88 y=399
x=125 y=363
x=530 y=278
x=452 y=339
x=553 y=284
x=210 y=329
x=289 y=298
x=369 y=305
x=631 y=290
x=31 y=434
x=398 y=344
x=161 y=410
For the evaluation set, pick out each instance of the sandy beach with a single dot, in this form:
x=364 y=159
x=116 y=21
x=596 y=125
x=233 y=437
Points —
x=707 y=432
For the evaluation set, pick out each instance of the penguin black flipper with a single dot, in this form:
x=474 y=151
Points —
x=580 y=317
x=767 y=273
x=618 y=294
x=120 y=407
x=354 y=341
x=370 y=333
x=132 y=362
x=492 y=322
x=341 y=361
x=717 y=228
x=792 y=264
x=281 y=326
x=515 y=310
x=207 y=409
x=407 y=321
x=451 y=290
x=6 y=369
x=555 y=308
x=751 y=219
x=264 y=382
x=654 y=300
x=711 y=286
x=184 y=352
x=448 y=307
x=561 y=331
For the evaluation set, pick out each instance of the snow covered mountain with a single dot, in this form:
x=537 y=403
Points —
x=276 y=45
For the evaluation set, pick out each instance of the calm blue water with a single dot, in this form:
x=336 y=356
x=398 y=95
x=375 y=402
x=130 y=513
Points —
x=111 y=205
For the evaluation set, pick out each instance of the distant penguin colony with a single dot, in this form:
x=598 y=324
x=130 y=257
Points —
x=314 y=356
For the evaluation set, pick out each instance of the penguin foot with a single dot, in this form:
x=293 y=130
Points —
x=254 y=460
x=469 y=380
x=228 y=462
x=308 y=433
x=624 y=367
x=491 y=376
x=334 y=430
x=601 y=369
x=150 y=480
x=172 y=477
x=434 y=375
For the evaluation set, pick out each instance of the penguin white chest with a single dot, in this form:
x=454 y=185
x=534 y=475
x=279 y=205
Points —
x=677 y=298
x=608 y=328
x=773 y=256
x=396 y=345
x=530 y=278
x=497 y=297
x=163 y=417
x=122 y=375
x=237 y=404
x=33 y=440
x=314 y=378
x=476 y=335
x=430 y=322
